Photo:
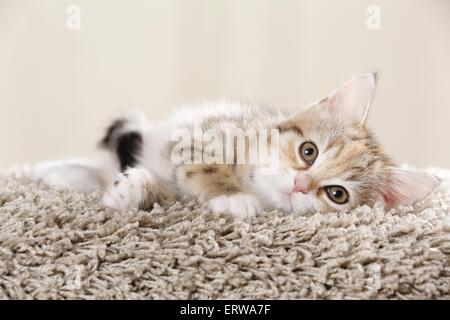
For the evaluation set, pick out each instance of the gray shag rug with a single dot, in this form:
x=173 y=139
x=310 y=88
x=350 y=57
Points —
x=59 y=244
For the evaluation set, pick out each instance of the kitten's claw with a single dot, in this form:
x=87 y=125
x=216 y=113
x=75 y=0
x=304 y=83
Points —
x=239 y=205
x=127 y=191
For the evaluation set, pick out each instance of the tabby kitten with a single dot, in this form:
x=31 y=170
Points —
x=326 y=160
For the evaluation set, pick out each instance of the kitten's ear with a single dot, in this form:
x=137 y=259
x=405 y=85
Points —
x=406 y=187
x=351 y=102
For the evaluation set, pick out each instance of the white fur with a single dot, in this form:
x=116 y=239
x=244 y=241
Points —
x=126 y=192
x=350 y=102
x=269 y=191
x=77 y=174
x=240 y=205
x=158 y=135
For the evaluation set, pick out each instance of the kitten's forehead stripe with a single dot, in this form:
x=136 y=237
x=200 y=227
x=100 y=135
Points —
x=290 y=127
x=210 y=169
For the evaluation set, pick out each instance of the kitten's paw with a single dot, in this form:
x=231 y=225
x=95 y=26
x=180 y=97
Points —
x=127 y=192
x=240 y=205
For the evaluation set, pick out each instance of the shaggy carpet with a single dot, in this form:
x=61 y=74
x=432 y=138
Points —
x=59 y=244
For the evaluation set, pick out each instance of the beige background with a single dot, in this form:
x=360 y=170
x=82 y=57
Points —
x=59 y=88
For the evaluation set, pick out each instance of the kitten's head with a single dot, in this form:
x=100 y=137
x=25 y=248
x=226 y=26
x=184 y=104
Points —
x=330 y=161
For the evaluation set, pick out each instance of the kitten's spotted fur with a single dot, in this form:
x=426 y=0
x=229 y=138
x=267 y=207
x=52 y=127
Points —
x=348 y=165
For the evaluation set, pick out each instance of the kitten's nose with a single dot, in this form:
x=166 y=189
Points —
x=302 y=183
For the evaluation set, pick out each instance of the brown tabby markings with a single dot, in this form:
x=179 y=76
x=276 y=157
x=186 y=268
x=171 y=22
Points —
x=353 y=155
x=349 y=153
x=209 y=169
x=352 y=152
x=153 y=193
x=290 y=155
x=209 y=181
x=288 y=126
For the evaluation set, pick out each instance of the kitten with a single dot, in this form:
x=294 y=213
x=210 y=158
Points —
x=325 y=160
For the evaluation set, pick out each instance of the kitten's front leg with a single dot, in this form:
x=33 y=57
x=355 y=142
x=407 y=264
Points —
x=134 y=189
x=220 y=187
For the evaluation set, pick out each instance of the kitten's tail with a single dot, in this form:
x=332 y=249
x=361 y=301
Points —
x=123 y=142
x=83 y=175
x=124 y=137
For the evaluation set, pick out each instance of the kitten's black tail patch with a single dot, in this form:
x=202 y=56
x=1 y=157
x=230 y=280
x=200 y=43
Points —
x=124 y=142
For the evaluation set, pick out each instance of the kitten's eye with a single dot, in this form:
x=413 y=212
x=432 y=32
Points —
x=337 y=194
x=308 y=152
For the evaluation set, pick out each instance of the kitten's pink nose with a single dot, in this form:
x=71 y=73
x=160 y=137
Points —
x=302 y=183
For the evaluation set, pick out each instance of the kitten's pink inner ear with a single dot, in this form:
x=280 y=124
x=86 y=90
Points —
x=352 y=101
x=406 y=187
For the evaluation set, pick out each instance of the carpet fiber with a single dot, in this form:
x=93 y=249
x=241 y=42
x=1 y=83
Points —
x=59 y=244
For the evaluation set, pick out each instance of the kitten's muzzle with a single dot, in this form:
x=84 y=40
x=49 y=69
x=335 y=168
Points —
x=302 y=183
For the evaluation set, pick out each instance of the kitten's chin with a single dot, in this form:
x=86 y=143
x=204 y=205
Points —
x=299 y=204
x=302 y=204
x=284 y=206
